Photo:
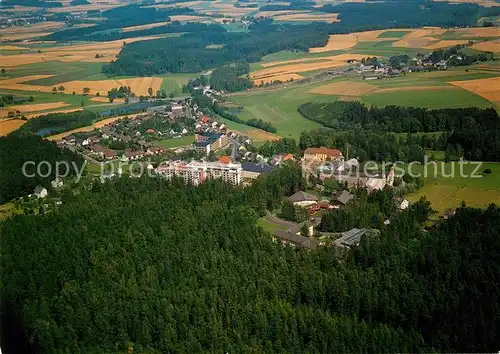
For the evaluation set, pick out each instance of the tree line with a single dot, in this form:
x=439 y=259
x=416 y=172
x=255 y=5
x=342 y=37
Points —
x=54 y=123
x=472 y=131
x=15 y=150
x=192 y=271
x=227 y=77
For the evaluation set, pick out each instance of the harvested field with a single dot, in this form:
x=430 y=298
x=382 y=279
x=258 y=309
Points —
x=283 y=77
x=89 y=128
x=444 y=44
x=308 y=17
x=278 y=13
x=418 y=42
x=293 y=69
x=139 y=86
x=262 y=135
x=9 y=125
x=489 y=46
x=73 y=53
x=18 y=83
x=37 y=27
x=337 y=42
x=487 y=88
x=336 y=58
x=22 y=36
x=188 y=18
x=12 y=47
x=4 y=112
x=39 y=107
x=368 y=36
x=143 y=27
x=479 y=32
x=106 y=99
x=347 y=88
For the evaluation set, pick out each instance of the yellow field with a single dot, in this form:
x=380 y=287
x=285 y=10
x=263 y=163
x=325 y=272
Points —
x=308 y=17
x=143 y=27
x=444 y=44
x=337 y=42
x=479 y=32
x=261 y=135
x=18 y=83
x=278 y=77
x=139 y=85
x=355 y=89
x=106 y=99
x=39 y=107
x=9 y=125
x=336 y=58
x=73 y=53
x=489 y=46
x=12 y=47
x=487 y=88
x=277 y=13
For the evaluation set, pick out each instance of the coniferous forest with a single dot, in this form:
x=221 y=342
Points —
x=161 y=267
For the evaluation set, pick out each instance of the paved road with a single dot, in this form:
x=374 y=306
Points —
x=236 y=146
x=275 y=220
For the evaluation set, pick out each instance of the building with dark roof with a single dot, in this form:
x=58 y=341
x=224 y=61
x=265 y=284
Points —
x=303 y=199
x=290 y=237
x=344 y=197
x=254 y=170
x=350 y=238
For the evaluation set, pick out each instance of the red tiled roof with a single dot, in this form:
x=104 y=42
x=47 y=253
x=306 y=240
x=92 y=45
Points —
x=323 y=151
x=225 y=159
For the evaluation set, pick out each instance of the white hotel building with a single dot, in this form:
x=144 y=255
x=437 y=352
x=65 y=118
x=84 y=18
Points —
x=196 y=172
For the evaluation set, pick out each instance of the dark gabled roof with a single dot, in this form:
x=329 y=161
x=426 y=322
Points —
x=256 y=167
x=307 y=242
x=351 y=238
x=302 y=197
x=202 y=143
x=39 y=189
x=345 y=197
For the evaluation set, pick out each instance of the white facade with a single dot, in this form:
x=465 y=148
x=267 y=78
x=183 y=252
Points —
x=197 y=172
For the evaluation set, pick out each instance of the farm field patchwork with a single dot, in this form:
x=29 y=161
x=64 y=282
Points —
x=9 y=125
x=487 y=88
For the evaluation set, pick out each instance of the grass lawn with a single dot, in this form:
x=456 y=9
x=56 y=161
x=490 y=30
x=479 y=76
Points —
x=444 y=192
x=456 y=98
x=269 y=226
x=174 y=143
x=62 y=72
x=279 y=107
x=46 y=97
x=175 y=82
x=8 y=209
x=393 y=34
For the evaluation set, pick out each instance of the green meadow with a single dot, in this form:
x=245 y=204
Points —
x=445 y=188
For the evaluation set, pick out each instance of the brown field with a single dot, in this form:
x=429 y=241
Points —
x=39 y=107
x=487 y=32
x=414 y=42
x=336 y=58
x=143 y=27
x=368 y=36
x=188 y=18
x=18 y=83
x=106 y=99
x=277 y=13
x=489 y=46
x=337 y=42
x=9 y=125
x=89 y=128
x=487 y=88
x=70 y=110
x=280 y=77
x=4 y=112
x=262 y=135
x=446 y=43
x=308 y=17
x=353 y=89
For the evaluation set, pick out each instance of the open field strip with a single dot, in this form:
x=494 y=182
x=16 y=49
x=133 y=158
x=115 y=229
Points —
x=42 y=113
x=449 y=192
x=106 y=100
x=485 y=3
x=9 y=125
x=72 y=53
x=337 y=42
x=487 y=88
x=143 y=27
x=26 y=108
x=12 y=47
x=445 y=43
x=331 y=18
x=278 y=13
x=344 y=88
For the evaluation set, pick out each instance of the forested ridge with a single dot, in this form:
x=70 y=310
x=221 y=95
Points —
x=163 y=267
x=15 y=150
x=471 y=132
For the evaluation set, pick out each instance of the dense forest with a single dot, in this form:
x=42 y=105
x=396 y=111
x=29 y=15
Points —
x=15 y=150
x=228 y=77
x=54 y=123
x=192 y=272
x=37 y=3
x=194 y=52
x=474 y=131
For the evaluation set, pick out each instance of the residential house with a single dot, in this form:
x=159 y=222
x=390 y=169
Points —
x=303 y=199
x=134 y=155
x=344 y=197
x=40 y=192
x=155 y=150
x=57 y=183
x=278 y=159
x=401 y=203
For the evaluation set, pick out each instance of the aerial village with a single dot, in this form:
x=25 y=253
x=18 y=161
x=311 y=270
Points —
x=213 y=151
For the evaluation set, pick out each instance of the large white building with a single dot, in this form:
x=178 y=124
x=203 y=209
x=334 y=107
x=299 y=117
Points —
x=196 y=172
